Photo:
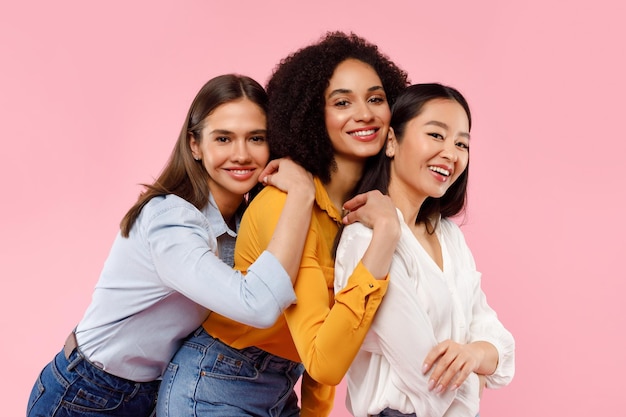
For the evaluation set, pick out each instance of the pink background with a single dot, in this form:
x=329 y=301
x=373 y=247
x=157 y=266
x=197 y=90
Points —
x=92 y=96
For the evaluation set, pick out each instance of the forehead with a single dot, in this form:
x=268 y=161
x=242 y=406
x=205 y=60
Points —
x=353 y=74
x=445 y=110
x=242 y=112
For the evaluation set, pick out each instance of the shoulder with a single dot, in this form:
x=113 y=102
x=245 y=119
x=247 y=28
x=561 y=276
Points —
x=451 y=229
x=270 y=198
x=171 y=209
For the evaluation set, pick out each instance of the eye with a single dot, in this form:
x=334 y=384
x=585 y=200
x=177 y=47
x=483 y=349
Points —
x=222 y=139
x=377 y=100
x=341 y=103
x=257 y=138
x=462 y=145
x=436 y=135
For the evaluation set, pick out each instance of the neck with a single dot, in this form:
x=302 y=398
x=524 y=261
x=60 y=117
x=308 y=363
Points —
x=408 y=203
x=343 y=181
x=227 y=204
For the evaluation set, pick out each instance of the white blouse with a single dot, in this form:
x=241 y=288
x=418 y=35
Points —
x=423 y=306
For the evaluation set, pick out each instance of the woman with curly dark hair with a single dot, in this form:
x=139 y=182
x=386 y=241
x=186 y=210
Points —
x=329 y=112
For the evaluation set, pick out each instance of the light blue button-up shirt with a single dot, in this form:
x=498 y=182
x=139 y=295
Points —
x=159 y=284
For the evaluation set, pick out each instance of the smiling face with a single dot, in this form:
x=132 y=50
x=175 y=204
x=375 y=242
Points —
x=233 y=149
x=433 y=152
x=356 y=112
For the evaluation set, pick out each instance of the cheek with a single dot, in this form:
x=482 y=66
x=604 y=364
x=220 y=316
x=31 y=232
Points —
x=334 y=121
x=261 y=154
x=385 y=115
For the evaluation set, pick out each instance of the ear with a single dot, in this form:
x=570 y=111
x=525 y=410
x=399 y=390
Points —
x=390 y=150
x=196 y=151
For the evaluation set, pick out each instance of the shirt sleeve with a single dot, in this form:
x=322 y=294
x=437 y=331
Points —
x=485 y=325
x=326 y=338
x=183 y=251
x=401 y=331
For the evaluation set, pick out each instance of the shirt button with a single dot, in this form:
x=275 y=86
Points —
x=371 y=285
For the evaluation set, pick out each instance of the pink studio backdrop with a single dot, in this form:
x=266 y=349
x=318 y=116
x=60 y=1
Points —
x=92 y=95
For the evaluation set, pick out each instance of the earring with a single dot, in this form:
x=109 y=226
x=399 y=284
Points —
x=197 y=158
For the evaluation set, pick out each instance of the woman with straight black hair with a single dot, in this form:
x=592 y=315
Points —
x=434 y=340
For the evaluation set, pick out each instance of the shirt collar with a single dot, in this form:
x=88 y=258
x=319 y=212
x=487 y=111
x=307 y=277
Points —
x=323 y=201
x=217 y=222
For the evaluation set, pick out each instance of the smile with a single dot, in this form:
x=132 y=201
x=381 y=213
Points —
x=439 y=170
x=240 y=171
x=363 y=132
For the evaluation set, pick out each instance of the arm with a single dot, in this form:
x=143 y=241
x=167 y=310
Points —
x=186 y=260
x=490 y=347
x=402 y=331
x=327 y=335
x=291 y=178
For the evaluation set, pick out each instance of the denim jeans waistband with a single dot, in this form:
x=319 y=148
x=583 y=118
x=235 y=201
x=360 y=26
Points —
x=261 y=359
x=81 y=365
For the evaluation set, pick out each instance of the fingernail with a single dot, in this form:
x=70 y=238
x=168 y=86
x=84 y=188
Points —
x=431 y=384
x=424 y=368
x=439 y=389
x=454 y=387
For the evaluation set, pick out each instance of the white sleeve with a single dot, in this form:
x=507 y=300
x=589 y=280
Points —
x=485 y=325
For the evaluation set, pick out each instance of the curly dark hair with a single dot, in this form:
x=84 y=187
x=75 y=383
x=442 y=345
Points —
x=296 y=126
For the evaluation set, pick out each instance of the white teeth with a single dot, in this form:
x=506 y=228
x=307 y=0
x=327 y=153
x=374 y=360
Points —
x=440 y=171
x=363 y=132
x=240 y=171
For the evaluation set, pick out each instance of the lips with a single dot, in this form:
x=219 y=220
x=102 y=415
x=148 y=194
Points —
x=365 y=134
x=241 y=174
x=440 y=170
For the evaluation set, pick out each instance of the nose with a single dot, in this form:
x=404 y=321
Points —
x=363 y=112
x=449 y=151
x=241 y=153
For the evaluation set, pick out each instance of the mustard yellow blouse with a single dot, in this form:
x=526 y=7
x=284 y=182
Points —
x=321 y=330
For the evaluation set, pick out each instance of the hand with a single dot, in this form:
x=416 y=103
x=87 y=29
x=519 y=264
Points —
x=371 y=208
x=454 y=363
x=287 y=176
x=482 y=383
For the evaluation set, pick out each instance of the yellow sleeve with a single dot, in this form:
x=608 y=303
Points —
x=257 y=226
x=317 y=399
x=328 y=334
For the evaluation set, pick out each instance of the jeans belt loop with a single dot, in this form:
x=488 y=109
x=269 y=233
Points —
x=70 y=345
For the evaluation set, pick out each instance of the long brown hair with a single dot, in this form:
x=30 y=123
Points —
x=183 y=175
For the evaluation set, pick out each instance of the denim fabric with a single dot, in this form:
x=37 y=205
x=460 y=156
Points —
x=75 y=387
x=207 y=377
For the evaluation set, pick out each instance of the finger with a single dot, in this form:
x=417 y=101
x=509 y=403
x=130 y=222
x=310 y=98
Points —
x=454 y=371
x=433 y=356
x=460 y=378
x=270 y=168
x=355 y=202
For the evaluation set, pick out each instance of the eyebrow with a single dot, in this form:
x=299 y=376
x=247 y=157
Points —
x=228 y=132
x=347 y=91
x=445 y=126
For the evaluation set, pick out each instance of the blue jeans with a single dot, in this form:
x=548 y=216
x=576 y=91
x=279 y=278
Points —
x=209 y=378
x=74 y=387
